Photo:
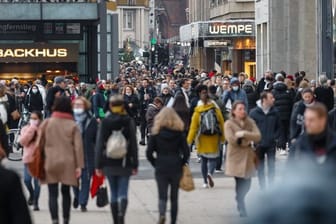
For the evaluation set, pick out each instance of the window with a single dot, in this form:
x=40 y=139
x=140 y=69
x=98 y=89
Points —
x=131 y=2
x=128 y=19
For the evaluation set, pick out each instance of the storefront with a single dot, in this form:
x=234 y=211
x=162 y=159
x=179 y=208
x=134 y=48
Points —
x=30 y=49
x=227 y=46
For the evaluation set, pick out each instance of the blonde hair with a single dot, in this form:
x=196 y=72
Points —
x=167 y=118
x=87 y=104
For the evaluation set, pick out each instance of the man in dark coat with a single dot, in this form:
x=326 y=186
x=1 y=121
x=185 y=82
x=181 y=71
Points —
x=284 y=104
x=268 y=121
x=324 y=93
x=153 y=109
x=57 y=90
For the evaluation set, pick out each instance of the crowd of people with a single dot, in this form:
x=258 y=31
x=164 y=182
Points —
x=225 y=118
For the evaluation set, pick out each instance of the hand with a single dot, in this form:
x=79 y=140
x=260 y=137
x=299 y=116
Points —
x=130 y=104
x=99 y=173
x=98 y=120
x=78 y=172
x=134 y=172
x=240 y=134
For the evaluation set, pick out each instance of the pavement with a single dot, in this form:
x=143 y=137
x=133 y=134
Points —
x=211 y=206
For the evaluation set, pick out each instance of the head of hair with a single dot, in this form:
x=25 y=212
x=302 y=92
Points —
x=167 y=118
x=200 y=88
x=128 y=86
x=264 y=95
x=116 y=100
x=323 y=79
x=38 y=114
x=180 y=103
x=158 y=100
x=62 y=104
x=319 y=108
x=87 y=104
x=183 y=81
x=235 y=105
x=212 y=89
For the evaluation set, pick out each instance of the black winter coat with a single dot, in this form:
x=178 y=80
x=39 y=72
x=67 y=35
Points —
x=13 y=205
x=98 y=103
x=133 y=99
x=171 y=149
x=325 y=95
x=34 y=102
x=144 y=103
x=296 y=121
x=283 y=101
x=50 y=98
x=269 y=125
x=165 y=98
x=332 y=119
x=252 y=97
x=115 y=166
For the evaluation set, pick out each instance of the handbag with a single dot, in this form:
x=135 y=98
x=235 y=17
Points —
x=36 y=167
x=102 y=196
x=187 y=181
x=15 y=115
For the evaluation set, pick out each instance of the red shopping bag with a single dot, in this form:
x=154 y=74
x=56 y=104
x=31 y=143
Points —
x=96 y=183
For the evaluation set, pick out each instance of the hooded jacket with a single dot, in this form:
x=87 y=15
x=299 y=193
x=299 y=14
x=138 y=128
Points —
x=152 y=111
x=206 y=144
x=283 y=100
x=252 y=96
x=296 y=121
x=234 y=96
x=269 y=125
x=171 y=149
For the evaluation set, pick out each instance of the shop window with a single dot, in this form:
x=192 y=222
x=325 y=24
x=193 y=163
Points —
x=128 y=19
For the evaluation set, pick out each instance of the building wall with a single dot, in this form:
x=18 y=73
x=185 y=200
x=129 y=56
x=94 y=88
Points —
x=286 y=36
x=232 y=9
x=199 y=10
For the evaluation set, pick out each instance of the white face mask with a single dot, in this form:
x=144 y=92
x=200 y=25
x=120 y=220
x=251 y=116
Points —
x=78 y=110
x=128 y=94
x=34 y=122
x=34 y=90
x=235 y=88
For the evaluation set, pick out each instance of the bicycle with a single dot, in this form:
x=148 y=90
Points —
x=15 y=148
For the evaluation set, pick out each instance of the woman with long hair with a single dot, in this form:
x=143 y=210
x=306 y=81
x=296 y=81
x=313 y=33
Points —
x=181 y=108
x=28 y=141
x=64 y=158
x=168 y=143
x=131 y=101
x=242 y=134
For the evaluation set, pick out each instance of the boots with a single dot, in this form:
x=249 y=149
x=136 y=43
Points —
x=162 y=220
x=122 y=206
x=114 y=210
x=55 y=221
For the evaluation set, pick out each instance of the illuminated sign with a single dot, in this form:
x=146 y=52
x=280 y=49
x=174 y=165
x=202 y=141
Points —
x=38 y=52
x=216 y=43
x=231 y=29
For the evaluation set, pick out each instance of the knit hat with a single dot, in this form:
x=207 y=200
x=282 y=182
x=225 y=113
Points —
x=278 y=76
x=234 y=81
x=59 y=79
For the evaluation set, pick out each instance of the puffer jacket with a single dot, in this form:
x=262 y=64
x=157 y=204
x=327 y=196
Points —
x=283 y=100
x=252 y=96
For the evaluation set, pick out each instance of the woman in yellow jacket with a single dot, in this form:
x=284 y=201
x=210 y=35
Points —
x=207 y=142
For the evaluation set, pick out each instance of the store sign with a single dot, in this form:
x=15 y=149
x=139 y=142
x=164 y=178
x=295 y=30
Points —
x=228 y=29
x=215 y=43
x=38 y=53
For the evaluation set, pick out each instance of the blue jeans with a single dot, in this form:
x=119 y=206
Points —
x=82 y=192
x=119 y=187
x=208 y=167
x=33 y=191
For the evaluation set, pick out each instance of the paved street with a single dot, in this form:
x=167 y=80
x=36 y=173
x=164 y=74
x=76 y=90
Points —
x=212 y=206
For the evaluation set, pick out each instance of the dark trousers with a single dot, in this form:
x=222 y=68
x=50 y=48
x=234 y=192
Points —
x=53 y=203
x=143 y=127
x=220 y=158
x=263 y=152
x=284 y=135
x=164 y=181
x=242 y=188
x=82 y=193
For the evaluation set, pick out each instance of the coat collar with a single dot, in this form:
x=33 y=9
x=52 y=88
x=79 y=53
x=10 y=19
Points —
x=62 y=115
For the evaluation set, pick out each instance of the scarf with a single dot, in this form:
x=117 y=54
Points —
x=62 y=115
x=80 y=121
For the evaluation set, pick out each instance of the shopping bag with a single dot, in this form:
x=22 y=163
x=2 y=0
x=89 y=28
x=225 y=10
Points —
x=187 y=181
x=102 y=197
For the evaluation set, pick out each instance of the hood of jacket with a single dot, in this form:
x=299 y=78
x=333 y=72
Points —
x=248 y=89
x=280 y=86
x=261 y=110
x=169 y=134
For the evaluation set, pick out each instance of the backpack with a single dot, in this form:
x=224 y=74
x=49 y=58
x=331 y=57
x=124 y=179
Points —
x=209 y=123
x=116 y=146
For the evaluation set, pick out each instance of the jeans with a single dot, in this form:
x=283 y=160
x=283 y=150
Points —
x=82 y=193
x=34 y=192
x=53 y=203
x=270 y=153
x=119 y=188
x=163 y=182
x=284 y=136
x=208 y=167
x=242 y=188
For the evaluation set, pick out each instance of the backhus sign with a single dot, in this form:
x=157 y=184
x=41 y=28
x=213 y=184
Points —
x=36 y=52
x=229 y=29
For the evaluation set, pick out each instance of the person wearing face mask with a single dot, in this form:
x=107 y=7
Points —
x=34 y=101
x=131 y=101
x=88 y=127
x=268 y=121
x=266 y=82
x=235 y=94
x=297 y=116
x=165 y=95
x=28 y=141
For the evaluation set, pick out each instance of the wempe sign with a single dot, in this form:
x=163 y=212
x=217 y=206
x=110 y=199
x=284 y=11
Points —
x=228 y=29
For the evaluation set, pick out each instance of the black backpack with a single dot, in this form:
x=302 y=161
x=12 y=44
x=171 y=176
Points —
x=209 y=124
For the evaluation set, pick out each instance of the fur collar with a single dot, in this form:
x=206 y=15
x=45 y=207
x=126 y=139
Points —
x=62 y=115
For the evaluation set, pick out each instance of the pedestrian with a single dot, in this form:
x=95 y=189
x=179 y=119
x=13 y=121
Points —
x=146 y=95
x=284 y=105
x=28 y=141
x=265 y=82
x=131 y=102
x=207 y=131
x=325 y=93
x=183 y=111
x=235 y=94
x=88 y=128
x=13 y=205
x=53 y=92
x=185 y=85
x=99 y=101
x=7 y=107
x=168 y=143
x=251 y=93
x=316 y=147
x=268 y=121
x=153 y=109
x=34 y=101
x=242 y=134
x=63 y=156
x=117 y=171
x=165 y=95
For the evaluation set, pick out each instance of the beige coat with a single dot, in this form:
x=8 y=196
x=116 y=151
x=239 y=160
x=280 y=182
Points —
x=63 y=151
x=241 y=159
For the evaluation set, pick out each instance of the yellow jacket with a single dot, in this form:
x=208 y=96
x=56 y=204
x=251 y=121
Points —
x=205 y=143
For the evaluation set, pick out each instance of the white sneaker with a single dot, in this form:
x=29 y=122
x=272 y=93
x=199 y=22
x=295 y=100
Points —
x=205 y=186
x=283 y=153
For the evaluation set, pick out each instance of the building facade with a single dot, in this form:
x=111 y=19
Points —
x=222 y=36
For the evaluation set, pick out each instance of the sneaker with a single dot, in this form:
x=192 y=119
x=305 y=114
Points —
x=142 y=142
x=199 y=159
x=83 y=208
x=283 y=153
x=36 y=208
x=30 y=200
x=205 y=186
x=210 y=180
x=75 y=203
x=219 y=171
